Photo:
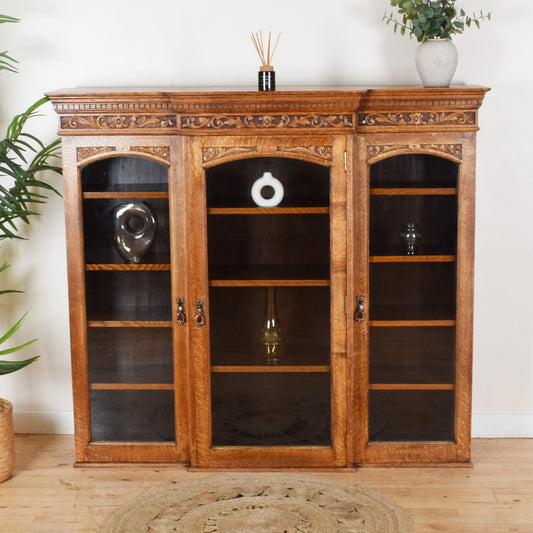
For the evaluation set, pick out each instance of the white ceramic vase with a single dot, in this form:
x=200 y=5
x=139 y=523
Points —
x=436 y=61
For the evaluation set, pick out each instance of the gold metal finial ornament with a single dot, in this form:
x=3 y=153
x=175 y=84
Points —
x=265 y=50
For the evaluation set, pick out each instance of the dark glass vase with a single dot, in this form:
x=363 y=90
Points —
x=410 y=237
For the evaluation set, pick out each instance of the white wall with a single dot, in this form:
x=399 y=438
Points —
x=68 y=43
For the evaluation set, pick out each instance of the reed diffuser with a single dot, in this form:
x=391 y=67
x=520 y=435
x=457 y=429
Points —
x=267 y=76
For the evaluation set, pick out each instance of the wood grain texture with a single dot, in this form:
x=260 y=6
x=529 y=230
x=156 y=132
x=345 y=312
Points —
x=344 y=130
x=492 y=495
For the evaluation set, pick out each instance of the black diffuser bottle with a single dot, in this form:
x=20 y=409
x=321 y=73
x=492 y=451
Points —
x=267 y=79
x=266 y=75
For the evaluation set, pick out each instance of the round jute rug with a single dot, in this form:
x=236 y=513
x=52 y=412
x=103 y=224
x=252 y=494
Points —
x=260 y=503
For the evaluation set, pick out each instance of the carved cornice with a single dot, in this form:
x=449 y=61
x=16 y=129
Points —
x=182 y=106
x=260 y=122
x=117 y=122
x=163 y=111
x=424 y=103
x=454 y=150
x=417 y=119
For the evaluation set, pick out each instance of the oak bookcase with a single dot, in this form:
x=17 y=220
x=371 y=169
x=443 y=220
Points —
x=295 y=330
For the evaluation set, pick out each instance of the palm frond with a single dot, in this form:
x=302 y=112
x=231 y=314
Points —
x=22 y=157
x=6 y=367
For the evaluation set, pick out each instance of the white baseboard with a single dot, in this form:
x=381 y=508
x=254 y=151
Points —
x=502 y=426
x=483 y=426
x=44 y=422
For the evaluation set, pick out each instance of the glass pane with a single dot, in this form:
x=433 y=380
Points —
x=414 y=170
x=124 y=174
x=268 y=246
x=305 y=184
x=411 y=415
x=130 y=355
x=435 y=218
x=412 y=291
x=256 y=324
x=132 y=415
x=239 y=315
x=98 y=229
x=271 y=409
x=128 y=295
x=412 y=355
x=410 y=295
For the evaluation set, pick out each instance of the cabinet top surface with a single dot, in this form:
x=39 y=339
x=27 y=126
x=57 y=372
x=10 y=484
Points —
x=252 y=91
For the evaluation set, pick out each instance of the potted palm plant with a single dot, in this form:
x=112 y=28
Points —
x=22 y=157
x=433 y=23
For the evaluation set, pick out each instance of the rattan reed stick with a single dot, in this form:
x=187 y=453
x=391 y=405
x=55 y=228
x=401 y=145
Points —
x=259 y=44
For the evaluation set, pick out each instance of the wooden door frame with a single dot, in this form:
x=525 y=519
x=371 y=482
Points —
x=78 y=152
x=368 y=149
x=209 y=151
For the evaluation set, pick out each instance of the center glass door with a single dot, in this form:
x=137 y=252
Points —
x=270 y=304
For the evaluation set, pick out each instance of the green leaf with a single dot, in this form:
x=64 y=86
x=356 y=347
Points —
x=9 y=291
x=7 y=351
x=14 y=328
x=7 y=367
x=7 y=18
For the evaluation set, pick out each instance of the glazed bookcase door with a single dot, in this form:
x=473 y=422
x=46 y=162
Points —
x=125 y=355
x=270 y=356
x=417 y=354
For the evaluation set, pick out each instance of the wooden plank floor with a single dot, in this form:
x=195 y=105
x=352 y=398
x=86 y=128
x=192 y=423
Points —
x=47 y=494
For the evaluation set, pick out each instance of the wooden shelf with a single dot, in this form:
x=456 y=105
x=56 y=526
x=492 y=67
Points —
x=411 y=386
x=406 y=191
x=412 y=258
x=129 y=323
x=270 y=369
x=132 y=386
x=268 y=211
x=124 y=194
x=124 y=266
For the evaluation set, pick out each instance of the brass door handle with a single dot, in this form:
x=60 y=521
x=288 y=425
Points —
x=181 y=317
x=200 y=316
x=359 y=314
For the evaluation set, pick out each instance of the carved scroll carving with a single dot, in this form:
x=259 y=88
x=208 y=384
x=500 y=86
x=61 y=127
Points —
x=117 y=122
x=162 y=152
x=320 y=152
x=431 y=118
x=85 y=152
x=211 y=153
x=231 y=122
x=455 y=150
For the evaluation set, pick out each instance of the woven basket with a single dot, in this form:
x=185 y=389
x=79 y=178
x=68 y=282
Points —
x=7 y=440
